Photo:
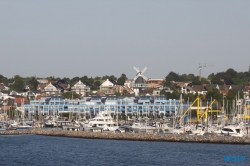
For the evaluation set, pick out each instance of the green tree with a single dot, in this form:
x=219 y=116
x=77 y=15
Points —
x=121 y=80
x=84 y=78
x=238 y=81
x=214 y=94
x=172 y=76
x=111 y=77
x=1 y=78
x=66 y=79
x=52 y=79
x=33 y=83
x=18 y=84
x=69 y=95
x=97 y=83
x=216 y=80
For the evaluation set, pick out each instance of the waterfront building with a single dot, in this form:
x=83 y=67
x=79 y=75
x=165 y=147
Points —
x=140 y=105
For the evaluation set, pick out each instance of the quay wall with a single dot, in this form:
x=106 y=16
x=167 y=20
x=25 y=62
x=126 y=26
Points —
x=135 y=137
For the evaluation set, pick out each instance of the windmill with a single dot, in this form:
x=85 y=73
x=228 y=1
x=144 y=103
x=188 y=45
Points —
x=140 y=73
x=139 y=82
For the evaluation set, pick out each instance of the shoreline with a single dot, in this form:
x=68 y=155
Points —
x=215 y=139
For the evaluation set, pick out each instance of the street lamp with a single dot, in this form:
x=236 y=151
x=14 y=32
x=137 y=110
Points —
x=5 y=109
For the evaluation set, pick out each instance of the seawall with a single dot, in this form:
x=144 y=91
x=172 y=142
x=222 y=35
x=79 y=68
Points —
x=135 y=137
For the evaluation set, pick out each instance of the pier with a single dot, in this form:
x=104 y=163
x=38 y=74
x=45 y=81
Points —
x=135 y=137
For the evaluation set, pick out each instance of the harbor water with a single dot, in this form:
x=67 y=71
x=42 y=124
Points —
x=47 y=150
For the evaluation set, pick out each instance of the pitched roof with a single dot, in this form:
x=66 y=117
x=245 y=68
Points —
x=199 y=88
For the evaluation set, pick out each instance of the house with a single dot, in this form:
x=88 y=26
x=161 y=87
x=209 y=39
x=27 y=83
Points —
x=41 y=86
x=153 y=83
x=53 y=89
x=4 y=86
x=64 y=84
x=4 y=94
x=81 y=88
x=16 y=93
x=110 y=87
x=202 y=89
x=20 y=100
x=187 y=89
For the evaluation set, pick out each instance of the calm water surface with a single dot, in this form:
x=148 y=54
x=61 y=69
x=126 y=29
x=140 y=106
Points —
x=45 y=150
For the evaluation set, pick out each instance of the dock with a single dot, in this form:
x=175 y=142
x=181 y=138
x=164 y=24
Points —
x=134 y=136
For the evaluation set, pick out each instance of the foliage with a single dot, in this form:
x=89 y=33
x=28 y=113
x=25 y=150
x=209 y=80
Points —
x=121 y=80
x=216 y=80
x=213 y=93
x=70 y=95
x=111 y=77
x=52 y=79
x=33 y=83
x=18 y=84
x=97 y=83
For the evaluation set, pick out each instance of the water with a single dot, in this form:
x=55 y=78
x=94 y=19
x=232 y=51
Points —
x=45 y=150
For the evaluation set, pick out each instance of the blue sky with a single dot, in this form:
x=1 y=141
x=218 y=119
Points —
x=109 y=37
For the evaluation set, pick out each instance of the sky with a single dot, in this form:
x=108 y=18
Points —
x=64 y=38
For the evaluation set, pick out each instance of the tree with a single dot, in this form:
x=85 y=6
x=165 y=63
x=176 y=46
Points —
x=84 y=78
x=172 y=76
x=18 y=84
x=214 y=94
x=238 y=81
x=66 y=79
x=1 y=78
x=33 y=83
x=52 y=79
x=112 y=77
x=69 y=95
x=97 y=83
x=216 y=80
x=121 y=80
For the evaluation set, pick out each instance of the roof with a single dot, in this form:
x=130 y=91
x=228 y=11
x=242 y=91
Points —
x=58 y=86
x=19 y=100
x=199 y=88
x=87 y=84
x=62 y=82
x=139 y=80
x=114 y=82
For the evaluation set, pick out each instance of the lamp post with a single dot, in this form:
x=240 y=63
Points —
x=14 y=111
x=5 y=111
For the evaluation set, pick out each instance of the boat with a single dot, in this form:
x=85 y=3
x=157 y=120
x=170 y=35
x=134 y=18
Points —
x=231 y=130
x=2 y=128
x=103 y=120
x=15 y=125
x=142 y=127
x=50 y=122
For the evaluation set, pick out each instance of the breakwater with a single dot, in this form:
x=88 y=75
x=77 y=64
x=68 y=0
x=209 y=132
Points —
x=135 y=137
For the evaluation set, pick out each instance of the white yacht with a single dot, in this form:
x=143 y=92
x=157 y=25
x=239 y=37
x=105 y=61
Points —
x=20 y=125
x=142 y=127
x=231 y=130
x=103 y=120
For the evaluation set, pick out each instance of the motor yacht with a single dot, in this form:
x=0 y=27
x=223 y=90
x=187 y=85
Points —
x=102 y=120
x=231 y=130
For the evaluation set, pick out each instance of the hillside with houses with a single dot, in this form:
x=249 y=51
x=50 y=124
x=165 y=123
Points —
x=227 y=85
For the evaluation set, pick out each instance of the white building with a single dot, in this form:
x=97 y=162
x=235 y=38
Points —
x=50 y=89
x=81 y=88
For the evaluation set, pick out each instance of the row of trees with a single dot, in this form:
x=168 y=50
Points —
x=18 y=83
x=229 y=77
